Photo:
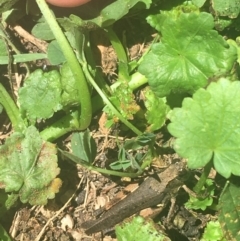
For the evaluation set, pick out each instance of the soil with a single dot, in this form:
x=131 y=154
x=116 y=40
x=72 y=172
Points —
x=84 y=192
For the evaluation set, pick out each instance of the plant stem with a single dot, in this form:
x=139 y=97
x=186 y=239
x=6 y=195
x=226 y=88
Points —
x=59 y=128
x=98 y=169
x=198 y=187
x=11 y=109
x=136 y=80
x=82 y=87
x=123 y=74
x=108 y=102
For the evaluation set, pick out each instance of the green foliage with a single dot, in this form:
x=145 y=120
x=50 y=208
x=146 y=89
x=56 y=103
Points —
x=186 y=60
x=4 y=235
x=203 y=199
x=115 y=10
x=6 y=5
x=139 y=229
x=198 y=3
x=7 y=201
x=124 y=100
x=157 y=110
x=190 y=52
x=229 y=212
x=129 y=158
x=207 y=129
x=230 y=8
x=17 y=58
x=44 y=93
x=42 y=31
x=83 y=146
x=29 y=167
x=40 y=96
x=213 y=232
x=55 y=54
x=69 y=95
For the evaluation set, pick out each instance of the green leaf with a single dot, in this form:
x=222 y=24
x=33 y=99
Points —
x=230 y=8
x=29 y=166
x=7 y=201
x=229 y=212
x=3 y=49
x=198 y=3
x=213 y=232
x=55 y=54
x=190 y=52
x=70 y=95
x=237 y=46
x=4 y=235
x=116 y=10
x=157 y=110
x=43 y=31
x=139 y=229
x=22 y=58
x=124 y=100
x=41 y=95
x=202 y=202
x=206 y=127
x=83 y=146
x=6 y=5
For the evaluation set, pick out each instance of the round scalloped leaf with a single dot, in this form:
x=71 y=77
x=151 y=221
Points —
x=207 y=127
x=29 y=165
x=190 y=52
x=41 y=94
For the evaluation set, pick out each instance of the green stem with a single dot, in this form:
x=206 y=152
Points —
x=11 y=109
x=84 y=94
x=77 y=160
x=123 y=74
x=135 y=82
x=198 y=187
x=108 y=102
x=59 y=128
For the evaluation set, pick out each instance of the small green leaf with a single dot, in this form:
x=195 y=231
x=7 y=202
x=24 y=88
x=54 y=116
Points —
x=237 y=46
x=125 y=102
x=190 y=52
x=213 y=232
x=202 y=202
x=29 y=166
x=83 y=146
x=55 y=54
x=43 y=31
x=139 y=229
x=229 y=212
x=41 y=94
x=7 y=201
x=156 y=110
x=115 y=11
x=198 y=3
x=206 y=127
x=140 y=141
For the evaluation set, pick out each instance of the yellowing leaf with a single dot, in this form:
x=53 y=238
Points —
x=29 y=166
